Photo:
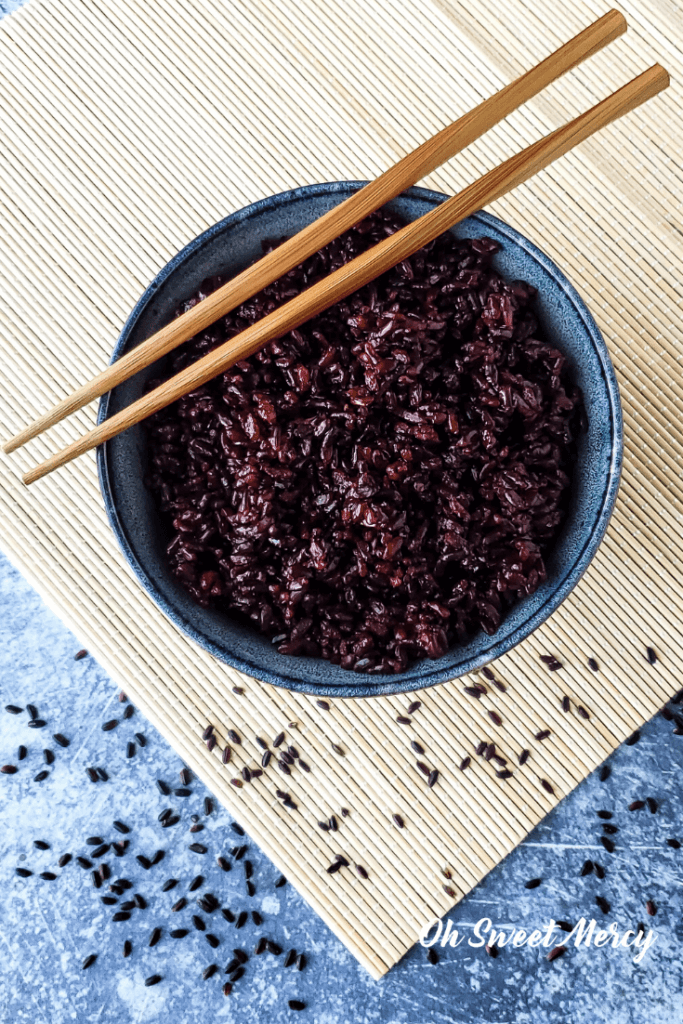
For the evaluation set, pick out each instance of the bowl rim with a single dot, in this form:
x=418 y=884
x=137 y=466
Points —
x=493 y=650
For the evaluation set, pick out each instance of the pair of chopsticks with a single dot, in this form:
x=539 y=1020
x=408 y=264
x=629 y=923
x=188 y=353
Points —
x=370 y=264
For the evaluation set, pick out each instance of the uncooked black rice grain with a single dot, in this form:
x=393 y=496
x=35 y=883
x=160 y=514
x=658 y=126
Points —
x=121 y=915
x=240 y=851
x=21 y=752
x=605 y=773
x=196 y=883
x=60 y=739
x=92 y=774
x=673 y=843
x=242 y=918
x=543 y=735
x=144 y=862
x=472 y=691
x=610 y=830
x=593 y=665
x=415 y=706
x=41 y=776
x=636 y=805
x=633 y=738
x=23 y=872
x=651 y=655
x=433 y=956
x=223 y=864
x=587 y=868
x=323 y=704
x=37 y=723
x=228 y=915
x=183 y=792
x=140 y=737
x=603 y=904
x=565 y=926
x=121 y=827
x=84 y=862
x=491 y=951
x=296 y=1004
x=153 y=979
x=607 y=843
x=547 y=787
x=13 y=709
x=236 y=975
x=49 y=876
x=234 y=736
x=433 y=776
x=290 y=958
x=495 y=717
x=402 y=720
x=652 y=804
x=398 y=820
x=179 y=933
x=565 y=703
x=334 y=867
x=140 y=901
x=130 y=749
x=465 y=763
x=111 y=724
x=169 y=884
x=651 y=908
x=40 y=844
x=605 y=815
x=154 y=937
x=599 y=871
x=94 y=841
x=449 y=890
x=582 y=712
x=279 y=882
x=209 y=971
x=89 y=961
x=129 y=711
x=556 y=952
x=101 y=774
x=504 y=774
x=279 y=739
x=227 y=988
x=417 y=747
x=213 y=940
x=64 y=860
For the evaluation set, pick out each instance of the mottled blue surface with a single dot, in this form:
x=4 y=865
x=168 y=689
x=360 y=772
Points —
x=48 y=927
x=230 y=246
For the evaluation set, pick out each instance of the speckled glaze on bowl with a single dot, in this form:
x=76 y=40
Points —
x=227 y=248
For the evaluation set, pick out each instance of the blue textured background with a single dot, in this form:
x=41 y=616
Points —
x=48 y=927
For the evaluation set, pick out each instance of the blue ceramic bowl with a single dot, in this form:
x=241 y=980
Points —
x=230 y=246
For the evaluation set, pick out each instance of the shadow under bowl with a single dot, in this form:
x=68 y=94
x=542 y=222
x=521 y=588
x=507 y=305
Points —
x=227 y=248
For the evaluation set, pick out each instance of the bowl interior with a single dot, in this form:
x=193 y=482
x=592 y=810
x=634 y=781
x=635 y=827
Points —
x=228 y=248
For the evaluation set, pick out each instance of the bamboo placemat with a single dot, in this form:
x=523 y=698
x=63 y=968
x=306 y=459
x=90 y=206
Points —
x=129 y=128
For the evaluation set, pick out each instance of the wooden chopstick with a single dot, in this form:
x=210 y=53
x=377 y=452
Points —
x=371 y=264
x=422 y=161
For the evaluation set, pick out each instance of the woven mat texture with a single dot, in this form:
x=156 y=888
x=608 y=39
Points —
x=129 y=128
